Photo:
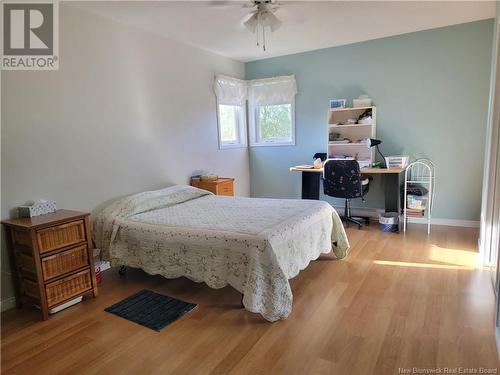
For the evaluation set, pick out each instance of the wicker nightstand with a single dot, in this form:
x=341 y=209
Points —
x=221 y=186
x=51 y=258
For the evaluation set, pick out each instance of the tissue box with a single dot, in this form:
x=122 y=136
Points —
x=36 y=209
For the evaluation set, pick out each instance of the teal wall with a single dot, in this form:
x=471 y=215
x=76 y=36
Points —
x=431 y=92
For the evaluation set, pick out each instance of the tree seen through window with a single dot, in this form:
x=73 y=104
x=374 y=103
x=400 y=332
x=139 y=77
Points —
x=275 y=121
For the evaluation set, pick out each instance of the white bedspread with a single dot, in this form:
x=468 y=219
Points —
x=254 y=245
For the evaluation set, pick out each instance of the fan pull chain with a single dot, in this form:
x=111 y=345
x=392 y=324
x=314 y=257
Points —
x=258 y=23
x=260 y=26
x=264 y=38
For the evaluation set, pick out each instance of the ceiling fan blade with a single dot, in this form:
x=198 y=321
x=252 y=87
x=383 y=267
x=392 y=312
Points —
x=218 y=3
x=286 y=15
x=251 y=23
x=228 y=3
x=269 y=19
x=249 y=4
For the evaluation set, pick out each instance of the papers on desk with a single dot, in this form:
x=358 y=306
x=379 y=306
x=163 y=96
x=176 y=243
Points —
x=305 y=166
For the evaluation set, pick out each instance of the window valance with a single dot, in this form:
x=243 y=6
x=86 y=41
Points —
x=230 y=91
x=269 y=91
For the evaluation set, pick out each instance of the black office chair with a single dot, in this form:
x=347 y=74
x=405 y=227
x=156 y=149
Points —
x=343 y=179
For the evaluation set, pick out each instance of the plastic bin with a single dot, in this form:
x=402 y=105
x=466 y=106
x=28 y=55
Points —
x=397 y=161
x=389 y=221
x=416 y=202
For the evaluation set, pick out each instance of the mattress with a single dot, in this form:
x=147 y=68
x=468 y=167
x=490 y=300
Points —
x=255 y=245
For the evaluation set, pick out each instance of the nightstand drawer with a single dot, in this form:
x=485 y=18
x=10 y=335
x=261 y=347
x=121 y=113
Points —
x=68 y=287
x=60 y=236
x=64 y=262
x=225 y=188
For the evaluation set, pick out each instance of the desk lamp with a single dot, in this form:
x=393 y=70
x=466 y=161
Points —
x=370 y=142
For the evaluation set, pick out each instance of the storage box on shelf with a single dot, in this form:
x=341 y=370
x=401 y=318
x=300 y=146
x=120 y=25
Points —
x=354 y=132
x=51 y=258
x=361 y=102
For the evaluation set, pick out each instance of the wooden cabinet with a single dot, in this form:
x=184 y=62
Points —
x=51 y=258
x=221 y=186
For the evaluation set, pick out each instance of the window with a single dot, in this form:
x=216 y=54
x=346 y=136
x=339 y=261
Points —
x=231 y=119
x=231 y=96
x=272 y=111
x=274 y=125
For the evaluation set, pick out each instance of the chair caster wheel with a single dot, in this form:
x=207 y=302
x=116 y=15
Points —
x=122 y=271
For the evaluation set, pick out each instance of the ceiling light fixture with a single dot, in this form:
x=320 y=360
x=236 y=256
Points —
x=261 y=18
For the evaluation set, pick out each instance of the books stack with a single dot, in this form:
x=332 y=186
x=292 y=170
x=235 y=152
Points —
x=412 y=212
x=340 y=141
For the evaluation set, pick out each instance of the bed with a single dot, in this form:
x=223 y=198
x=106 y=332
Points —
x=255 y=245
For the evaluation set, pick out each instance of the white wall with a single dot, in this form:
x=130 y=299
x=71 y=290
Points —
x=127 y=111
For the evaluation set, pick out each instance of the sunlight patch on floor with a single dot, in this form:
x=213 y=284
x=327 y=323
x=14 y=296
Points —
x=454 y=256
x=445 y=258
x=421 y=265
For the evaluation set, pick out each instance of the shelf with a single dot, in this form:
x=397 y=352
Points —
x=348 y=126
x=349 y=109
x=358 y=133
x=348 y=144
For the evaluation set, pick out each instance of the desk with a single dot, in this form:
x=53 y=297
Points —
x=311 y=179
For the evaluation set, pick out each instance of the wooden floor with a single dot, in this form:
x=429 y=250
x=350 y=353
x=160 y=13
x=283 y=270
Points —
x=395 y=302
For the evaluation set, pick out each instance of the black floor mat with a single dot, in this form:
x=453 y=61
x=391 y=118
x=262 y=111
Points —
x=151 y=309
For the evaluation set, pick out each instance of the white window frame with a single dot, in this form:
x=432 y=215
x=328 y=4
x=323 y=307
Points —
x=254 y=129
x=241 y=129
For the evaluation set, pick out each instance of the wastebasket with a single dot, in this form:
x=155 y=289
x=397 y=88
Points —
x=389 y=221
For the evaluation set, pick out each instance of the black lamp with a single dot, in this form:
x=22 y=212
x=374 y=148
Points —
x=370 y=142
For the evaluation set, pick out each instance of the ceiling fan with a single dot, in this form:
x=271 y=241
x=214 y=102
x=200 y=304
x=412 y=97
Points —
x=262 y=17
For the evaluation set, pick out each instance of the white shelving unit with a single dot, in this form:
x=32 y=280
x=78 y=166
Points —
x=353 y=132
x=420 y=172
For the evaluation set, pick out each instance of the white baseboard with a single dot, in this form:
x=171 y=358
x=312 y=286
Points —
x=373 y=214
x=7 y=304
x=448 y=222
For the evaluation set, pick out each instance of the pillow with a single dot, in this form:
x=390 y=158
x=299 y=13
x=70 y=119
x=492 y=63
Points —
x=153 y=200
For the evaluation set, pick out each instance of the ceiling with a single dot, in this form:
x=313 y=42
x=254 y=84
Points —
x=307 y=25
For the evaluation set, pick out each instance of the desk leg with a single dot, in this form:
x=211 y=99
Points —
x=310 y=185
x=392 y=192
